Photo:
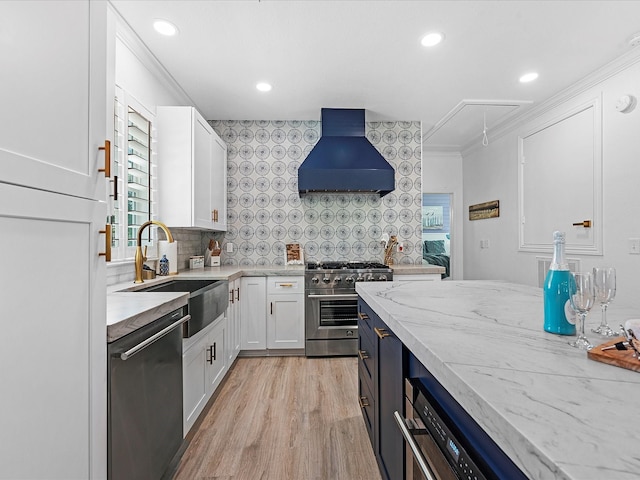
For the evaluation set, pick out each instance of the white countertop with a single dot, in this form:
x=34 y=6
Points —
x=556 y=413
x=417 y=269
x=128 y=310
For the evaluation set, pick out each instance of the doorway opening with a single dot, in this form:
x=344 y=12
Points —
x=436 y=230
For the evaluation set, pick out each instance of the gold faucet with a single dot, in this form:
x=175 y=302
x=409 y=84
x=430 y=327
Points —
x=140 y=258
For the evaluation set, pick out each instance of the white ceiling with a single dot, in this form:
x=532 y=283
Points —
x=367 y=54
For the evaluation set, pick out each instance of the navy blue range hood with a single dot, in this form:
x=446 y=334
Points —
x=344 y=160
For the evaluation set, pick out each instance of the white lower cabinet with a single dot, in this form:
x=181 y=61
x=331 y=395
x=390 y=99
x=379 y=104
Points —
x=272 y=313
x=253 y=319
x=285 y=316
x=233 y=322
x=204 y=366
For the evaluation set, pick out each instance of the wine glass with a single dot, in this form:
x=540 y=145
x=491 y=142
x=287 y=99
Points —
x=604 y=282
x=582 y=298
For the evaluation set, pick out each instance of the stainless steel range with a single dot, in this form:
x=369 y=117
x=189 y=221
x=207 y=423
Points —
x=331 y=305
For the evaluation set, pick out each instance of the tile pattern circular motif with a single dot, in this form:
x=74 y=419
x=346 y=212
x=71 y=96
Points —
x=265 y=211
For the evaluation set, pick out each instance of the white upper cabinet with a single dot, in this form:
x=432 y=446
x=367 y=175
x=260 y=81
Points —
x=219 y=181
x=192 y=166
x=54 y=89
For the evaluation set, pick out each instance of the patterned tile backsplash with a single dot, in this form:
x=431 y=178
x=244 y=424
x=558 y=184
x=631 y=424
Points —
x=265 y=211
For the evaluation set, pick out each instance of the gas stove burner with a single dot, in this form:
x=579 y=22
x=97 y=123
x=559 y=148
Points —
x=345 y=265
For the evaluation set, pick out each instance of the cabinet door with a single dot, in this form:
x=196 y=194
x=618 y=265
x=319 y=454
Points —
x=234 y=321
x=219 y=182
x=195 y=382
x=215 y=355
x=285 y=321
x=54 y=95
x=389 y=396
x=54 y=368
x=202 y=172
x=253 y=320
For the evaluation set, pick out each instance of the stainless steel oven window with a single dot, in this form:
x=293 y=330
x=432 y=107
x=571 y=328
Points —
x=338 y=313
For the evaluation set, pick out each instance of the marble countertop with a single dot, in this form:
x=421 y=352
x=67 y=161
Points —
x=416 y=269
x=556 y=413
x=128 y=310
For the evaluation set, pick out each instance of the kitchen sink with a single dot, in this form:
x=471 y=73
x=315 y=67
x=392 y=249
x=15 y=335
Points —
x=208 y=299
x=191 y=286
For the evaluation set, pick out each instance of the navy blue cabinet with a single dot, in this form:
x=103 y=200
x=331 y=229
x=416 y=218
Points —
x=381 y=367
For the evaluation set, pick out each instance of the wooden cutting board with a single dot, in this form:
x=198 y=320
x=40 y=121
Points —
x=619 y=358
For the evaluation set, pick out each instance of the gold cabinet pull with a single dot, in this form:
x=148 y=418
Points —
x=584 y=223
x=107 y=159
x=107 y=242
x=381 y=332
x=363 y=354
x=363 y=316
x=363 y=401
x=214 y=215
x=285 y=284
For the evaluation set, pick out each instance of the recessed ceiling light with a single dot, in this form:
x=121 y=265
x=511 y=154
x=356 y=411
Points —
x=432 y=39
x=165 y=27
x=528 y=77
x=263 y=87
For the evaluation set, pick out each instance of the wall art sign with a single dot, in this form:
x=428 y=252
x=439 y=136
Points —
x=432 y=217
x=484 y=210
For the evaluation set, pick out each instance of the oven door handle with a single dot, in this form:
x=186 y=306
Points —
x=422 y=463
x=346 y=296
x=142 y=345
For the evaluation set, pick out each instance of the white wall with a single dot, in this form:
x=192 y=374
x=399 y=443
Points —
x=491 y=173
x=442 y=173
x=139 y=74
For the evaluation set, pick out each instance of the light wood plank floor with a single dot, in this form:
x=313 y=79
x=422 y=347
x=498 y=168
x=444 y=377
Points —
x=283 y=418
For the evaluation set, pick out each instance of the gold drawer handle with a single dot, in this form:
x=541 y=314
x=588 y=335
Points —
x=285 y=284
x=214 y=215
x=107 y=242
x=107 y=159
x=363 y=401
x=363 y=354
x=381 y=332
x=585 y=224
x=363 y=316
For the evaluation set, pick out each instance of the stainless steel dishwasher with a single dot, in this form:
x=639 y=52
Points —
x=145 y=399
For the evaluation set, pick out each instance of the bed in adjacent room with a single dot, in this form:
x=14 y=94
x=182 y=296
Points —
x=434 y=253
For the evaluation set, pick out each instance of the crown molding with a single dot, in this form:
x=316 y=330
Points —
x=134 y=43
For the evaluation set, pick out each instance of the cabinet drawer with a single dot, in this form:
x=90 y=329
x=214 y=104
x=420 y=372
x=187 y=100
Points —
x=366 y=357
x=281 y=285
x=367 y=405
x=365 y=319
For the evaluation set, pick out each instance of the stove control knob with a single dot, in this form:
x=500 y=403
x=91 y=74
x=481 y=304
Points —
x=368 y=277
x=314 y=280
x=349 y=279
x=382 y=277
x=337 y=280
x=326 y=279
x=360 y=278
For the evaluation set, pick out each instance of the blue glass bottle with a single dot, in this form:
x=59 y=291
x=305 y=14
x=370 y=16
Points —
x=559 y=317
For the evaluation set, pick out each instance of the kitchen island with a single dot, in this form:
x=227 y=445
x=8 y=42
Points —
x=555 y=413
